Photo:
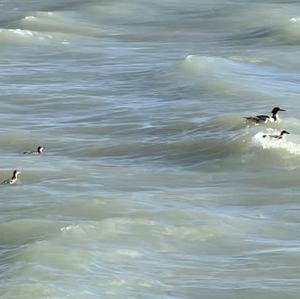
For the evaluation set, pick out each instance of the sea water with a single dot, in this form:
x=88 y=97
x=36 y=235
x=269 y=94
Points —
x=152 y=185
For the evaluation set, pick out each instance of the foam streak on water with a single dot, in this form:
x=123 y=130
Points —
x=152 y=184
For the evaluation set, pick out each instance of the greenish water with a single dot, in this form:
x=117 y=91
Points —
x=151 y=185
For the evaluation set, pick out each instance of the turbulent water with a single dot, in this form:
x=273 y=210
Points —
x=152 y=185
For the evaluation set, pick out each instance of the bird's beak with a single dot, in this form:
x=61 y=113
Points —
x=282 y=110
x=287 y=133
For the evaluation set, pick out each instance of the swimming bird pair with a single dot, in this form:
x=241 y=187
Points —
x=14 y=179
x=263 y=119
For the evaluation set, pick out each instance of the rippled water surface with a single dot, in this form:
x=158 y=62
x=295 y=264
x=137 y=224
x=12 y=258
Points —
x=152 y=185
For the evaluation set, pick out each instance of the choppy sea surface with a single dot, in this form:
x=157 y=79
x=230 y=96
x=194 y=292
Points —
x=152 y=184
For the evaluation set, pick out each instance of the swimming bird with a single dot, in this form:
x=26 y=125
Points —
x=39 y=150
x=262 y=119
x=280 y=136
x=13 y=180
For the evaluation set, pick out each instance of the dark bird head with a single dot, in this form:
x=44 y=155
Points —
x=276 y=109
x=284 y=132
x=40 y=149
x=15 y=174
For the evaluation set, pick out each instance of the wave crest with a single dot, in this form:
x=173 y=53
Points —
x=24 y=36
x=230 y=76
x=58 y=22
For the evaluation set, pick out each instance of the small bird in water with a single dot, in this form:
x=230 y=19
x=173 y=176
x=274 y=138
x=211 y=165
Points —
x=280 y=136
x=13 y=180
x=263 y=119
x=39 y=150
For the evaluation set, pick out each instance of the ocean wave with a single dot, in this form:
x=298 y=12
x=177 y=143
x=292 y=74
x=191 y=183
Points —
x=47 y=27
x=291 y=30
x=230 y=76
x=271 y=23
x=58 y=22
x=22 y=231
x=288 y=31
x=119 y=10
x=184 y=151
x=19 y=35
x=13 y=36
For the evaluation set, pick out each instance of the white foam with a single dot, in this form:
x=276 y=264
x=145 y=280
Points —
x=294 y=20
x=70 y=228
x=58 y=23
x=270 y=143
x=21 y=32
x=30 y=18
x=128 y=253
x=76 y=230
x=25 y=33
